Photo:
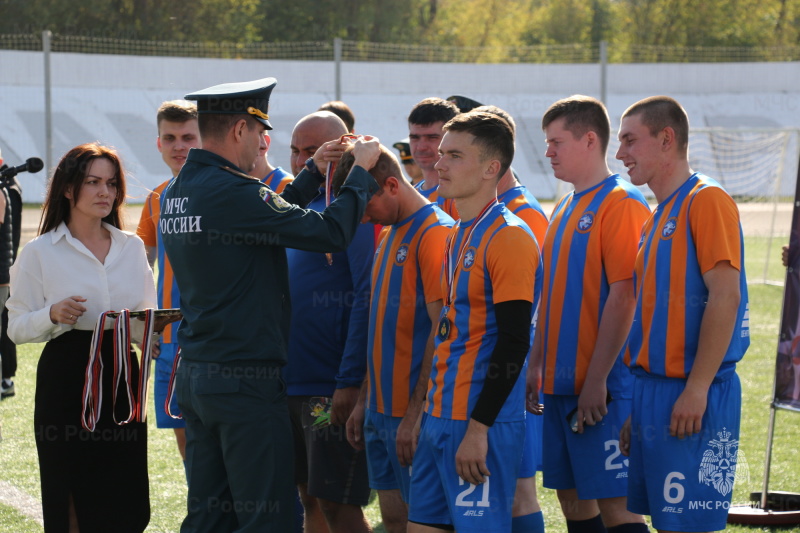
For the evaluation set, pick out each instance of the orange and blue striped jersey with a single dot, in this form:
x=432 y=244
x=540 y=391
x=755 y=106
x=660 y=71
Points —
x=277 y=180
x=499 y=263
x=448 y=205
x=168 y=295
x=406 y=276
x=522 y=203
x=687 y=235
x=591 y=243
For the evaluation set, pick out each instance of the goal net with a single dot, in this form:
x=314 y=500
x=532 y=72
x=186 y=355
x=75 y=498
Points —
x=758 y=167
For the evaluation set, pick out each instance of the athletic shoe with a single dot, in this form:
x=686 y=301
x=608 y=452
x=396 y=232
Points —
x=6 y=389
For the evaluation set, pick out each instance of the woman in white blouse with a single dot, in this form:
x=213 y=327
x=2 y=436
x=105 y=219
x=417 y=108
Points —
x=79 y=266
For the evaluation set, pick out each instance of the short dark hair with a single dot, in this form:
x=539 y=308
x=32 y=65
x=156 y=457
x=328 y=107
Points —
x=581 y=115
x=69 y=176
x=492 y=133
x=176 y=111
x=341 y=110
x=432 y=110
x=659 y=112
x=386 y=166
x=217 y=125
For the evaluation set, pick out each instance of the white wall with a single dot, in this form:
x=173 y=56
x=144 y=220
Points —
x=114 y=98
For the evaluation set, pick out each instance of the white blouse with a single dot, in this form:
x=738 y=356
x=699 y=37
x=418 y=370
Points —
x=55 y=266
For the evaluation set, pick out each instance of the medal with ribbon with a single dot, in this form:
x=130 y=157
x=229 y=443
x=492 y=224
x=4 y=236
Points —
x=171 y=387
x=450 y=266
x=136 y=393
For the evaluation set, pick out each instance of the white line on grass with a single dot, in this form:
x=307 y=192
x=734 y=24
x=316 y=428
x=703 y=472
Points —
x=21 y=501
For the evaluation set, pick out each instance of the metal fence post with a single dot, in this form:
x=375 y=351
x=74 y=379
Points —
x=603 y=71
x=337 y=59
x=48 y=110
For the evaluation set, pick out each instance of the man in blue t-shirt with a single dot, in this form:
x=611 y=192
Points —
x=328 y=357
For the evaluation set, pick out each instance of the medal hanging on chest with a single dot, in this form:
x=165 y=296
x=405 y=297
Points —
x=450 y=267
x=444 y=325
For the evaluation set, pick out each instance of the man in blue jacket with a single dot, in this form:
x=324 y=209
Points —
x=328 y=357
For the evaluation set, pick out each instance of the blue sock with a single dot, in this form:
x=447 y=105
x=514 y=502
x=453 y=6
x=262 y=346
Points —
x=530 y=523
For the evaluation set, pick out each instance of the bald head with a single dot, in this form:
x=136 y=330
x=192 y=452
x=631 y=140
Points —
x=311 y=132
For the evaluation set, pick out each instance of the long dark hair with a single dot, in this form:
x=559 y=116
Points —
x=69 y=176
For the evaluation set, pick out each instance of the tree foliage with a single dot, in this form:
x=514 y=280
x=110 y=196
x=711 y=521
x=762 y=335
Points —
x=323 y=20
x=463 y=23
x=178 y=20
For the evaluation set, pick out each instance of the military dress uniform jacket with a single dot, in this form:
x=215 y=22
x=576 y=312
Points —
x=225 y=234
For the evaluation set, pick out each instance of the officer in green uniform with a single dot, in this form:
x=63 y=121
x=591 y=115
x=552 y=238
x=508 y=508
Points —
x=225 y=233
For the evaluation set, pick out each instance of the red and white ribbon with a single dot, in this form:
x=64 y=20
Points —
x=171 y=387
x=122 y=366
x=93 y=383
x=450 y=265
x=123 y=363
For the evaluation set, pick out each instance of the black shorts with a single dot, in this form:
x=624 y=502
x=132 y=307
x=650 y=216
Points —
x=333 y=469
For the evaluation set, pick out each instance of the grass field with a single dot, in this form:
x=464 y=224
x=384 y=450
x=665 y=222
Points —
x=18 y=464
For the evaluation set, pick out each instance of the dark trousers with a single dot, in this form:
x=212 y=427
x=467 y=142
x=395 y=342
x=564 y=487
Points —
x=8 y=350
x=239 y=448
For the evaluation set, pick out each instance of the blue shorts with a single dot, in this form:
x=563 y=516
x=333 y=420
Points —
x=683 y=484
x=380 y=436
x=163 y=371
x=532 y=452
x=590 y=462
x=440 y=496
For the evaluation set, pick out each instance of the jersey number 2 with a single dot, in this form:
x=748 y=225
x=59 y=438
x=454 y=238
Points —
x=461 y=498
x=610 y=464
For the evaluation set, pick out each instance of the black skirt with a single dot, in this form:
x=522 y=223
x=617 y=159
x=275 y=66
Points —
x=104 y=472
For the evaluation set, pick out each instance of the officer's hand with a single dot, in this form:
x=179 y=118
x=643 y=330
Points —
x=366 y=151
x=785 y=256
x=328 y=152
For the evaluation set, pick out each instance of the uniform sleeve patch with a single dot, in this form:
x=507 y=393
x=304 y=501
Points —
x=274 y=200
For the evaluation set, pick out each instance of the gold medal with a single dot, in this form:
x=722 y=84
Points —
x=444 y=328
